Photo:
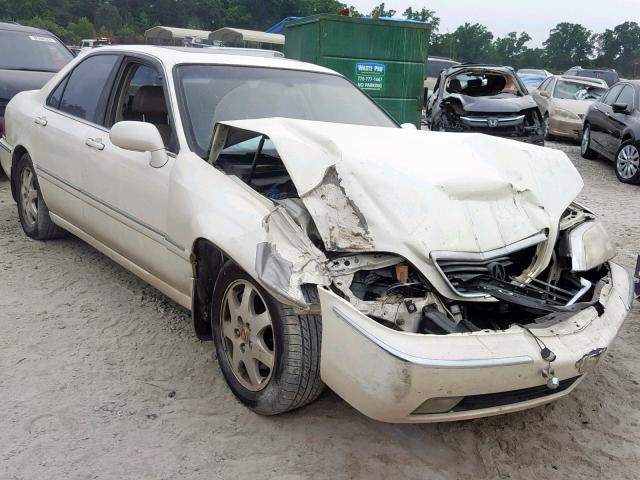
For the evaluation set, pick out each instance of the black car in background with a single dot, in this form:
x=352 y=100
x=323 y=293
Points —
x=608 y=75
x=488 y=99
x=29 y=57
x=612 y=129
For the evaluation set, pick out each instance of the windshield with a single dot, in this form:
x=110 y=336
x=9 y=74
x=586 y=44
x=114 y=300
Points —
x=577 y=91
x=212 y=93
x=32 y=51
x=531 y=80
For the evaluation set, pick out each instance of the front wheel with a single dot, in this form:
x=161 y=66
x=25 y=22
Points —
x=628 y=163
x=269 y=355
x=32 y=210
x=585 y=144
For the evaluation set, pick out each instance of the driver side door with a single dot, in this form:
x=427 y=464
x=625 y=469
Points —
x=127 y=210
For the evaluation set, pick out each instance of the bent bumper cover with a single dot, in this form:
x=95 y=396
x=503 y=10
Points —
x=388 y=374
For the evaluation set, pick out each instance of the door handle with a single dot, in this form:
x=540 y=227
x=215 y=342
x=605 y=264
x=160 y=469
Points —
x=95 y=143
x=41 y=121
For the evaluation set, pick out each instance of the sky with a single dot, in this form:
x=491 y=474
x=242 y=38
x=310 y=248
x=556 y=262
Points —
x=504 y=16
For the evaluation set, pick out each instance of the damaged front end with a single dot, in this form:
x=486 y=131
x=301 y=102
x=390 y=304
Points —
x=492 y=117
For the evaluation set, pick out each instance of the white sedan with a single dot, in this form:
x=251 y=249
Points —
x=422 y=276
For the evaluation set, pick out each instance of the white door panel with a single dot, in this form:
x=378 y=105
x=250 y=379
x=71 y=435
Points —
x=58 y=152
x=127 y=204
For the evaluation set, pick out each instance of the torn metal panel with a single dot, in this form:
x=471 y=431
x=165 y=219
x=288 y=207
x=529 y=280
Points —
x=288 y=259
x=342 y=225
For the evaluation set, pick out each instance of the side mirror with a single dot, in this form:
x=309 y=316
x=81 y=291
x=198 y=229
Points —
x=408 y=126
x=620 y=108
x=140 y=137
x=544 y=94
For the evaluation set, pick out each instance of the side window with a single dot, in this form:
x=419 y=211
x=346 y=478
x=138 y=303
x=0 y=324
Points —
x=612 y=95
x=545 y=84
x=141 y=98
x=626 y=96
x=56 y=95
x=85 y=92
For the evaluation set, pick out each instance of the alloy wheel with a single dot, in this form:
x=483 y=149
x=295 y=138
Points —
x=628 y=162
x=29 y=196
x=247 y=335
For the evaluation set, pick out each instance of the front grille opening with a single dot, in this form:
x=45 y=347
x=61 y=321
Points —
x=489 y=400
x=463 y=273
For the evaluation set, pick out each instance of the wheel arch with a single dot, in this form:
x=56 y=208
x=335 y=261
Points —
x=18 y=152
x=207 y=260
x=627 y=136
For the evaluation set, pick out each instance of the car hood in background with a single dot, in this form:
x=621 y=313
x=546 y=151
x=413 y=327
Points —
x=15 y=81
x=412 y=192
x=507 y=104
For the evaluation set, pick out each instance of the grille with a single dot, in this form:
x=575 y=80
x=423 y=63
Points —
x=477 y=402
x=463 y=270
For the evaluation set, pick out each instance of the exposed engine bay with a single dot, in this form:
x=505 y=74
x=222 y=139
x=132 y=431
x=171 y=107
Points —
x=489 y=291
x=484 y=99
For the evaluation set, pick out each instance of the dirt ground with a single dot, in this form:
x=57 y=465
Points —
x=101 y=377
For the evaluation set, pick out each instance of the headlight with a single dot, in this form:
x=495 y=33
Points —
x=589 y=246
x=560 y=112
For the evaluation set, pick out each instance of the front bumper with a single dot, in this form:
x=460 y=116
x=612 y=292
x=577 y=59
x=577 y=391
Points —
x=388 y=375
x=537 y=139
x=564 y=127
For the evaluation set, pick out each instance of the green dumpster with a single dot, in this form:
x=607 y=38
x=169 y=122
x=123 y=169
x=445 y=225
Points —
x=384 y=58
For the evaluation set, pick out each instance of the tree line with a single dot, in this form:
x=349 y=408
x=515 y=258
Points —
x=568 y=43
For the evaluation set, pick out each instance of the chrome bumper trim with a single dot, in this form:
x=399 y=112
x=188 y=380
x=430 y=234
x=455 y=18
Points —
x=434 y=363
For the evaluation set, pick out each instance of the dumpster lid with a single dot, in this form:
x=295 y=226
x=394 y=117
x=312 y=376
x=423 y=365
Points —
x=383 y=21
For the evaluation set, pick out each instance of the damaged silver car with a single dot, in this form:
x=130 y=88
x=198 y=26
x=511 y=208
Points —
x=318 y=243
x=486 y=99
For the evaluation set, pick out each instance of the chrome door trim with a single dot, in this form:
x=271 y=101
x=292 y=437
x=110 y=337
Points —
x=144 y=228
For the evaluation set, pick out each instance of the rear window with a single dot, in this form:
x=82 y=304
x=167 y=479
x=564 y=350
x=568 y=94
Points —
x=32 y=51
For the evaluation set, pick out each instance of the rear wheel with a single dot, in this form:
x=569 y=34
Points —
x=32 y=210
x=585 y=144
x=628 y=163
x=268 y=354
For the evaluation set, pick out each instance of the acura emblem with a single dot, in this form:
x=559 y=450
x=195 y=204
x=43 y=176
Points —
x=492 y=122
x=497 y=271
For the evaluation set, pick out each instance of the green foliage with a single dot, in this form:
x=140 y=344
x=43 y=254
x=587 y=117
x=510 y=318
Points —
x=569 y=44
x=80 y=29
x=383 y=11
x=423 y=15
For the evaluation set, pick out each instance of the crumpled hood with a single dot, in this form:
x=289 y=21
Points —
x=494 y=104
x=412 y=192
x=15 y=81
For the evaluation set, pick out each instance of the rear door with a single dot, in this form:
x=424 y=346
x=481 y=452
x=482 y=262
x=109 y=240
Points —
x=62 y=125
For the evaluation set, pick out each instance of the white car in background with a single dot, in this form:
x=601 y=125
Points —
x=317 y=242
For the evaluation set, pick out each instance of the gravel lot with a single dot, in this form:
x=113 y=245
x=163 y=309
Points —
x=102 y=377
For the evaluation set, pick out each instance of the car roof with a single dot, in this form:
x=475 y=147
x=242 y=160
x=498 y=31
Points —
x=16 y=27
x=171 y=56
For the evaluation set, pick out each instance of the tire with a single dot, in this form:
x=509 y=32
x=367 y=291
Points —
x=585 y=144
x=545 y=126
x=628 y=163
x=292 y=340
x=32 y=210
